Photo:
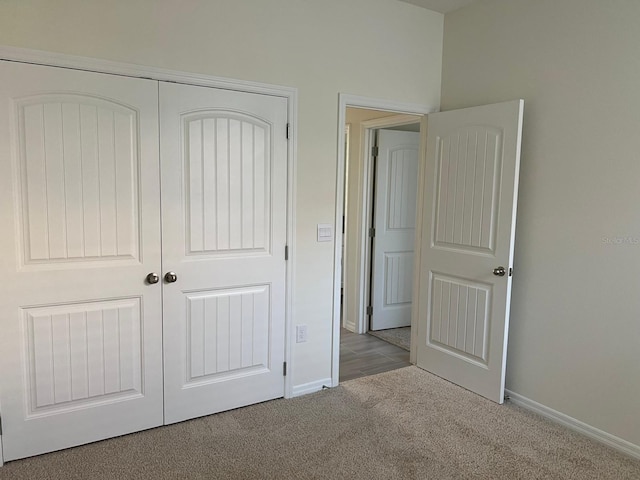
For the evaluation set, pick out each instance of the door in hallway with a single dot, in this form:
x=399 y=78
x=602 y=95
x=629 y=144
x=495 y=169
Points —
x=396 y=183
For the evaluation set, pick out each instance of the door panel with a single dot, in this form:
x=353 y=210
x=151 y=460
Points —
x=228 y=178
x=394 y=220
x=81 y=332
x=469 y=164
x=78 y=152
x=82 y=352
x=473 y=158
x=229 y=331
x=224 y=171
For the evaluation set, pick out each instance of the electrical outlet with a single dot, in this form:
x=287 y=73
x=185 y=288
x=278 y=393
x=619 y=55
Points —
x=301 y=333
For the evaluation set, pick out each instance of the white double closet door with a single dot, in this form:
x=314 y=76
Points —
x=90 y=348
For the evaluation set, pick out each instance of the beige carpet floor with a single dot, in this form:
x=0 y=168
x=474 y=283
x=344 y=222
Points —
x=404 y=424
x=400 y=337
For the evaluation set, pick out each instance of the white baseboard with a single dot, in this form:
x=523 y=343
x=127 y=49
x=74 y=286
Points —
x=310 y=387
x=351 y=326
x=594 y=433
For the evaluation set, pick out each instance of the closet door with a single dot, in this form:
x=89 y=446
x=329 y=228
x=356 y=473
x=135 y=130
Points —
x=224 y=191
x=81 y=331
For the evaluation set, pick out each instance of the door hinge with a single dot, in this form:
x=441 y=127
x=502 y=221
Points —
x=374 y=151
x=288 y=127
x=0 y=424
x=286 y=252
x=372 y=232
x=284 y=369
x=369 y=310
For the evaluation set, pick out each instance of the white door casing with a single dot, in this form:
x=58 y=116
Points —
x=394 y=222
x=81 y=331
x=224 y=197
x=469 y=214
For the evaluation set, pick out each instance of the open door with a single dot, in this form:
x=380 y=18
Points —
x=468 y=232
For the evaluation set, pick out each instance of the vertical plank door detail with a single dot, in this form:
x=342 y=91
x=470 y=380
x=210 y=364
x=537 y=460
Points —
x=79 y=172
x=227 y=167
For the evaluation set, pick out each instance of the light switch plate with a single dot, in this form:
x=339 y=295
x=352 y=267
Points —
x=301 y=333
x=325 y=232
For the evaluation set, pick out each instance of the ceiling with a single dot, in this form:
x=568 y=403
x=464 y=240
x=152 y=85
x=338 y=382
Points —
x=442 y=6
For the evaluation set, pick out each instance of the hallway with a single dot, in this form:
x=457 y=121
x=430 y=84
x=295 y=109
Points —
x=362 y=355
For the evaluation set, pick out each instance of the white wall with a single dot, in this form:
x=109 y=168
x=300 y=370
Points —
x=378 y=48
x=574 y=343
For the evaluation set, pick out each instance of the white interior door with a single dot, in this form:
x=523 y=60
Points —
x=394 y=222
x=81 y=331
x=473 y=158
x=224 y=191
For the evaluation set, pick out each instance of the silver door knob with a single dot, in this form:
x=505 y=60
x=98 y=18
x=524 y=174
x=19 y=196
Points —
x=170 y=277
x=500 y=271
x=152 y=278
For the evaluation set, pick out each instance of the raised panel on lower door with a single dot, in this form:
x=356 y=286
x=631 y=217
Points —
x=81 y=332
x=227 y=333
x=398 y=278
x=224 y=190
x=82 y=354
x=458 y=323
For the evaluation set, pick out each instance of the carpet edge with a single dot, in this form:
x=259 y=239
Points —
x=600 y=436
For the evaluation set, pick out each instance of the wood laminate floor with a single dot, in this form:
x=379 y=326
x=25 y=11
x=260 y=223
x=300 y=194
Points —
x=362 y=355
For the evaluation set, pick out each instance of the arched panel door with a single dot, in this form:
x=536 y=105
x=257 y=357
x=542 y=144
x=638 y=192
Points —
x=224 y=193
x=468 y=234
x=81 y=330
x=394 y=224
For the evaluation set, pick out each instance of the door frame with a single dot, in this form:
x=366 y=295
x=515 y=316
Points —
x=39 y=57
x=401 y=108
x=369 y=129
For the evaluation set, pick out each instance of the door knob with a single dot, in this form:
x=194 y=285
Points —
x=152 y=278
x=170 y=277
x=500 y=271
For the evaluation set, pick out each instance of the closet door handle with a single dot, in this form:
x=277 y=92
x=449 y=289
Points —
x=152 y=278
x=170 y=277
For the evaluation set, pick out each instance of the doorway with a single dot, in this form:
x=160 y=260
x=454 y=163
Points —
x=366 y=270
x=470 y=171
